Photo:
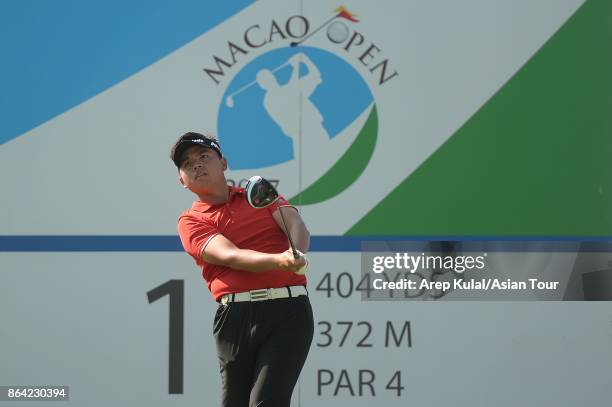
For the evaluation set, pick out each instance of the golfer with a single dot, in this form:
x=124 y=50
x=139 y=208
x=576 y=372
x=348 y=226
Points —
x=263 y=326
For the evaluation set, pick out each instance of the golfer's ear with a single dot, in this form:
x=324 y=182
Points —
x=224 y=162
x=181 y=180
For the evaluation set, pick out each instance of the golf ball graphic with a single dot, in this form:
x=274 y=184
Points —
x=337 y=32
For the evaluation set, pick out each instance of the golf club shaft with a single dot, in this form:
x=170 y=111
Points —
x=295 y=254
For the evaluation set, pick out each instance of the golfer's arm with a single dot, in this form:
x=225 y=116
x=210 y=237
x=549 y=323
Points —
x=312 y=68
x=295 y=226
x=221 y=251
x=312 y=80
x=295 y=74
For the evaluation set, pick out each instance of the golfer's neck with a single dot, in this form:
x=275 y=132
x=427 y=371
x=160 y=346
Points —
x=215 y=196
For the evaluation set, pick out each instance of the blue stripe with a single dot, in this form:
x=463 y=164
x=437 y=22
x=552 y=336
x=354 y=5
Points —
x=57 y=54
x=172 y=243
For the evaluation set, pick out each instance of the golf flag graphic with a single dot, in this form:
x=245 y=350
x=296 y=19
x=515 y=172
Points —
x=344 y=13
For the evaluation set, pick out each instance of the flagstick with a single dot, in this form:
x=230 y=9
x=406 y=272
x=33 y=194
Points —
x=293 y=44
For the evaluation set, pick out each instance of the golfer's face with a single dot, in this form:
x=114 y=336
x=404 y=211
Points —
x=201 y=167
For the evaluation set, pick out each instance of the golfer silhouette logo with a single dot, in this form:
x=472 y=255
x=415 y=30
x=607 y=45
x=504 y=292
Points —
x=282 y=102
x=296 y=110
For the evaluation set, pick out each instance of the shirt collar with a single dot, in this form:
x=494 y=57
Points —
x=200 y=206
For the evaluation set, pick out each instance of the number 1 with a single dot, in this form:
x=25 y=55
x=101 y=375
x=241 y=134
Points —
x=175 y=289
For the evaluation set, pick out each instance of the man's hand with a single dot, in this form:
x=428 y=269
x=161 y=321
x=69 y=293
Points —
x=289 y=263
x=304 y=269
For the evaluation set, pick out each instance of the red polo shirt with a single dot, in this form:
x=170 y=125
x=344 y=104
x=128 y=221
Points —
x=247 y=228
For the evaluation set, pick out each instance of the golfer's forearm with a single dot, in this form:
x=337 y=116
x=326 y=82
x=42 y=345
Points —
x=312 y=68
x=301 y=237
x=295 y=74
x=251 y=260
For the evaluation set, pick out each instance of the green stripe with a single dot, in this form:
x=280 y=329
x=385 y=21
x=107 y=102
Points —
x=347 y=169
x=534 y=160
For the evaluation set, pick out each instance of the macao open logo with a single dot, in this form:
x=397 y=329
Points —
x=299 y=111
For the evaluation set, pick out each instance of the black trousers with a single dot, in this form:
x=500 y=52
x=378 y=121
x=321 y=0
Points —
x=262 y=347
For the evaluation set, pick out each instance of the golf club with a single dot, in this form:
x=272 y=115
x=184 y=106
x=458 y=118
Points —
x=260 y=193
x=296 y=43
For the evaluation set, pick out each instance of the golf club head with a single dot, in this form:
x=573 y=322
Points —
x=260 y=192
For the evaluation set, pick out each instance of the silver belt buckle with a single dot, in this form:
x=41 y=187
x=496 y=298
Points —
x=260 y=295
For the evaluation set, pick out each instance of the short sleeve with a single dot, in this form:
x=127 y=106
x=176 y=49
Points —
x=195 y=234
x=281 y=202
